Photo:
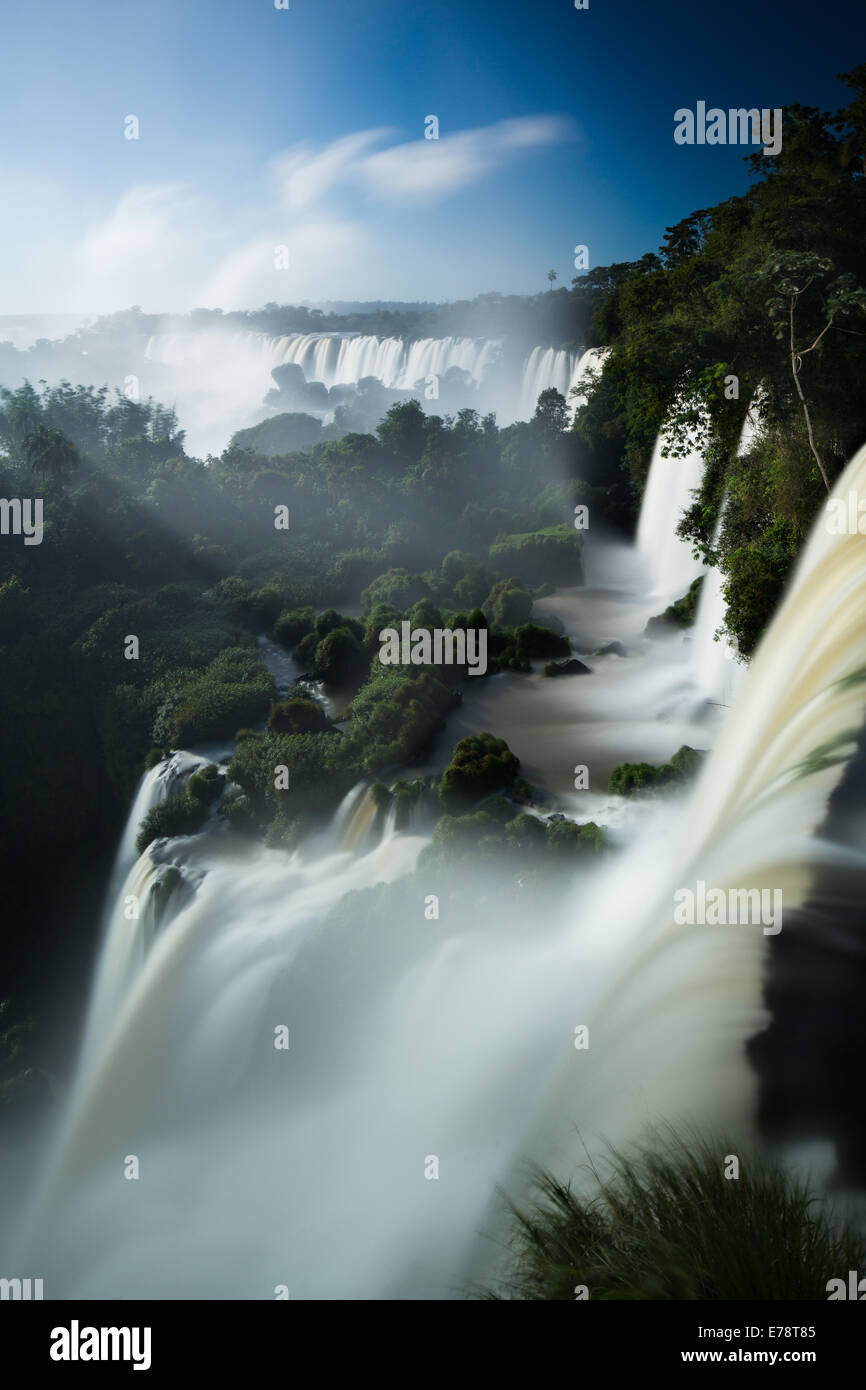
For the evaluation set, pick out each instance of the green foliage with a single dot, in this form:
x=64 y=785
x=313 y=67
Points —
x=50 y=454
x=297 y=716
x=234 y=690
x=664 y=1224
x=177 y=815
x=629 y=778
x=280 y=435
x=340 y=658
x=395 y=716
x=206 y=785
x=480 y=764
x=531 y=641
x=551 y=554
x=320 y=774
x=756 y=575
x=397 y=588
x=681 y=613
x=508 y=603
x=565 y=839
x=293 y=625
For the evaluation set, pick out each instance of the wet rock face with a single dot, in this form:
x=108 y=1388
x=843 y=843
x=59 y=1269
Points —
x=571 y=667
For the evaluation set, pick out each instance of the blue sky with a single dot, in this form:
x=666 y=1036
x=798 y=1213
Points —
x=304 y=128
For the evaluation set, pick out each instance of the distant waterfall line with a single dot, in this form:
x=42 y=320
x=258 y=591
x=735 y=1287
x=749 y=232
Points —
x=344 y=360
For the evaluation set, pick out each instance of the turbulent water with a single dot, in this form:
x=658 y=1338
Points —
x=452 y=1038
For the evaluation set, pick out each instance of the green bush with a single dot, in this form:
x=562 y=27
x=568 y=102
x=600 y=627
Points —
x=629 y=778
x=529 y=640
x=551 y=554
x=397 y=588
x=292 y=626
x=566 y=839
x=480 y=764
x=297 y=716
x=206 y=785
x=395 y=716
x=508 y=603
x=234 y=690
x=755 y=578
x=340 y=658
x=177 y=815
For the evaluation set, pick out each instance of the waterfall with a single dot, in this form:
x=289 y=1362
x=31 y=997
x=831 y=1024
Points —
x=589 y=364
x=668 y=560
x=450 y=1037
x=715 y=665
x=219 y=379
x=163 y=780
x=565 y=371
x=330 y=358
x=545 y=368
x=133 y=907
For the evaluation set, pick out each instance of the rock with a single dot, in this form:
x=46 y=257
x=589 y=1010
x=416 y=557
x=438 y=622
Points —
x=612 y=649
x=571 y=667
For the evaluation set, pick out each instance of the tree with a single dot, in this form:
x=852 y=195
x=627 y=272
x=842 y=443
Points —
x=791 y=276
x=50 y=454
x=551 y=413
x=551 y=276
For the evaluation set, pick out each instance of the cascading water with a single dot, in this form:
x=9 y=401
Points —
x=219 y=379
x=135 y=901
x=668 y=559
x=330 y=358
x=559 y=369
x=451 y=1037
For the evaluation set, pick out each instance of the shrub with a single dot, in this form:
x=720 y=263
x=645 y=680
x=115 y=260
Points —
x=234 y=690
x=297 y=716
x=340 y=658
x=206 y=785
x=629 y=778
x=177 y=815
x=480 y=764
x=396 y=588
x=508 y=603
x=756 y=575
x=549 y=554
x=565 y=838
x=292 y=626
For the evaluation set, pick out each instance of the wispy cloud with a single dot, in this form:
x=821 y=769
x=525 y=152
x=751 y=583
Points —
x=176 y=245
x=426 y=170
x=304 y=175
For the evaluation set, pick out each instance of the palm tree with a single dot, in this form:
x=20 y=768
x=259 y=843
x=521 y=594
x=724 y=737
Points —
x=551 y=276
x=50 y=453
